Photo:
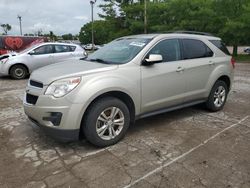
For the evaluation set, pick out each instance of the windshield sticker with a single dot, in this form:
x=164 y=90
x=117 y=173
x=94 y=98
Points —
x=138 y=44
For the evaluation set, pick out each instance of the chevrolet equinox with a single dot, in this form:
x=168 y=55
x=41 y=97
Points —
x=130 y=78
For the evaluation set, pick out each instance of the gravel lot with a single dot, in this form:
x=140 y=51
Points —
x=185 y=148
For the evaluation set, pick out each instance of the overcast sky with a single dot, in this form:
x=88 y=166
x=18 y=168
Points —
x=59 y=16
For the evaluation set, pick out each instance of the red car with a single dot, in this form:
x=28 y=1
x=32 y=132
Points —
x=18 y=43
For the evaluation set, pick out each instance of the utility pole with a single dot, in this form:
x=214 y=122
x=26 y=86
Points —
x=92 y=2
x=20 y=23
x=145 y=16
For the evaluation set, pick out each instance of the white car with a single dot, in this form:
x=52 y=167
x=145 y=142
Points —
x=90 y=47
x=19 y=65
x=247 y=50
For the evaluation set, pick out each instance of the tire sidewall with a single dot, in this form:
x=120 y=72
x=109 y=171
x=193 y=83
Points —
x=89 y=125
x=210 y=102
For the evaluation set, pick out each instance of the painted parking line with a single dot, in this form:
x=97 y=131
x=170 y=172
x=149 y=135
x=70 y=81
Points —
x=184 y=154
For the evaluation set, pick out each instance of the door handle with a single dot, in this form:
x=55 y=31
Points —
x=180 y=69
x=211 y=63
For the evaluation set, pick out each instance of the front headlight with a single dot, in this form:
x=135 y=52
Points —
x=3 y=61
x=62 y=87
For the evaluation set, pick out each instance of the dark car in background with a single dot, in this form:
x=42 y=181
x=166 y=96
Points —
x=18 y=43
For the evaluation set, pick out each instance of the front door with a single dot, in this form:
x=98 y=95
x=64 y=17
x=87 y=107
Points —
x=62 y=53
x=163 y=84
x=41 y=56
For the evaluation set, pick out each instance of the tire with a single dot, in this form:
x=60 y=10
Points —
x=99 y=119
x=218 y=96
x=18 y=72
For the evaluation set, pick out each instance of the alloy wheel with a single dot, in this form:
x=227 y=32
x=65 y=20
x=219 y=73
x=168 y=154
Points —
x=110 y=123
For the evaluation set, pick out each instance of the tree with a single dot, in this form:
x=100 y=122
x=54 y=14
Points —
x=6 y=28
x=68 y=36
x=102 y=32
x=235 y=27
x=228 y=19
x=52 y=36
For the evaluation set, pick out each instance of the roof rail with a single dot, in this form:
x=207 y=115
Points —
x=194 y=32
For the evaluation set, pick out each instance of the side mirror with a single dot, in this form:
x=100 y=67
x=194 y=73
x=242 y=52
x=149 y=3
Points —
x=153 y=58
x=32 y=52
x=85 y=54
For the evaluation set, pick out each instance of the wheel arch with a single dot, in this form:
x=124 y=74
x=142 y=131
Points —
x=124 y=97
x=225 y=79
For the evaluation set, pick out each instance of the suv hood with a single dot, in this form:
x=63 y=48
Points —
x=57 y=71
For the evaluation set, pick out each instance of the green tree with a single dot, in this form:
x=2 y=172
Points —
x=234 y=16
x=102 y=31
x=52 y=36
x=229 y=19
x=6 y=28
x=67 y=36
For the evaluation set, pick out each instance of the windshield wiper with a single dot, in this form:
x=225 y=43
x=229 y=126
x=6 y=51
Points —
x=100 y=61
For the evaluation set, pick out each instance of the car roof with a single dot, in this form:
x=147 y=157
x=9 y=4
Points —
x=151 y=36
x=59 y=43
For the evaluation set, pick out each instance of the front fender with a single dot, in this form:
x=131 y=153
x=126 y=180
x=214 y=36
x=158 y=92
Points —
x=94 y=85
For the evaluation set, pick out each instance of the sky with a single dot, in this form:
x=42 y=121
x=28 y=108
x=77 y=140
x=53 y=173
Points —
x=59 y=16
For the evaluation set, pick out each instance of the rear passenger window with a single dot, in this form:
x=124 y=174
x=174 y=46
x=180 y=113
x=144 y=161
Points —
x=219 y=44
x=193 y=49
x=169 y=49
x=61 y=48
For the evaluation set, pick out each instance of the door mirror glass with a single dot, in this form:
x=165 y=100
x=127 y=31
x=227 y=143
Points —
x=153 y=58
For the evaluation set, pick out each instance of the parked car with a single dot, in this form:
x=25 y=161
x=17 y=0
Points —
x=247 y=50
x=90 y=47
x=19 y=65
x=130 y=78
x=10 y=44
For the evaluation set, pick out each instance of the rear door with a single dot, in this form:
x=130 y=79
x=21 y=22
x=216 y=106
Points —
x=198 y=64
x=163 y=84
x=63 y=53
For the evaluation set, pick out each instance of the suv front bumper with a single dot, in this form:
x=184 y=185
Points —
x=57 y=117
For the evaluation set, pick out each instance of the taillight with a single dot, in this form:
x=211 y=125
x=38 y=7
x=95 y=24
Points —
x=233 y=62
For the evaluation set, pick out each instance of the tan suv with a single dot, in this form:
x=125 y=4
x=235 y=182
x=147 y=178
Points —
x=130 y=78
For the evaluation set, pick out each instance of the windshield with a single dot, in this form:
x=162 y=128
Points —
x=119 y=51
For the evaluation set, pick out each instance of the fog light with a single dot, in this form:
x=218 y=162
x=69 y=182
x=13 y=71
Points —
x=54 y=118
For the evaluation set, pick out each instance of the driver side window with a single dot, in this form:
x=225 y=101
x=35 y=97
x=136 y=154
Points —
x=47 y=49
x=169 y=49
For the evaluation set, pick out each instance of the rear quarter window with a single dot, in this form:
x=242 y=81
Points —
x=219 y=44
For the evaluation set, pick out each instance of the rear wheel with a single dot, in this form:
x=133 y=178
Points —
x=218 y=96
x=18 y=72
x=106 y=122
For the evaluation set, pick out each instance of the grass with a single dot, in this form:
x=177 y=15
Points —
x=242 y=58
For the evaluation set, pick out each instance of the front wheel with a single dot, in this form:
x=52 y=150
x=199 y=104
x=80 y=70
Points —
x=18 y=72
x=106 y=122
x=218 y=96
